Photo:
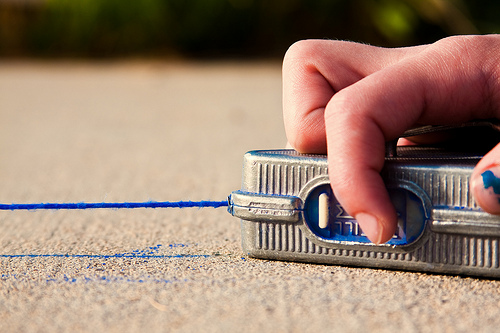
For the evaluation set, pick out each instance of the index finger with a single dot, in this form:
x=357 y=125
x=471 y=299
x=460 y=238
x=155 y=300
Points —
x=443 y=84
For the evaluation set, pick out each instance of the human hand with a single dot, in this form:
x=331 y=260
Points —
x=348 y=99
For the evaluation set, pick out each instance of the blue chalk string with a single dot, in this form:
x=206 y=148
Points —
x=116 y=205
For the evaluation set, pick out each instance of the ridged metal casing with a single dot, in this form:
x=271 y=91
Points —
x=466 y=242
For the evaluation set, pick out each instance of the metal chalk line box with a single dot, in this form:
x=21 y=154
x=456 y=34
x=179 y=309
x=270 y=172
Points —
x=288 y=212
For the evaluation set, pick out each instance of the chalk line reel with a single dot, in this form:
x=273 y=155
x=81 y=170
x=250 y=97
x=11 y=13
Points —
x=288 y=211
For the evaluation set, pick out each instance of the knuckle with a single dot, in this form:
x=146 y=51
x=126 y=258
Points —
x=307 y=53
x=302 y=49
x=341 y=107
x=469 y=47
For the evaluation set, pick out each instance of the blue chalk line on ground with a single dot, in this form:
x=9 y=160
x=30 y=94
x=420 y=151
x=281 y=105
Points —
x=106 y=256
x=116 y=205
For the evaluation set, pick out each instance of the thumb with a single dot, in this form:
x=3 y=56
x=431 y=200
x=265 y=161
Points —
x=485 y=182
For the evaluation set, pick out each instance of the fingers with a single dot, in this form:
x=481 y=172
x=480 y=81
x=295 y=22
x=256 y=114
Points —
x=350 y=99
x=313 y=71
x=442 y=84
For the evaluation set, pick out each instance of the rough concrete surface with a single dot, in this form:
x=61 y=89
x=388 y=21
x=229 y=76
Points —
x=138 y=131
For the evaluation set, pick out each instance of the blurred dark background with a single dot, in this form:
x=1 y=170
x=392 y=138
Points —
x=227 y=28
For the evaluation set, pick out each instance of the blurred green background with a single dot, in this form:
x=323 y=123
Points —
x=227 y=28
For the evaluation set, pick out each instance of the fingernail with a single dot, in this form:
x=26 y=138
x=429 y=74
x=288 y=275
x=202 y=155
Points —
x=486 y=190
x=372 y=228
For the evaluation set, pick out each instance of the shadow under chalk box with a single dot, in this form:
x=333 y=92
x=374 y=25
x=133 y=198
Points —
x=288 y=210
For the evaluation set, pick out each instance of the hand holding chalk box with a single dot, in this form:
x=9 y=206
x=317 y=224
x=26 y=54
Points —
x=288 y=212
